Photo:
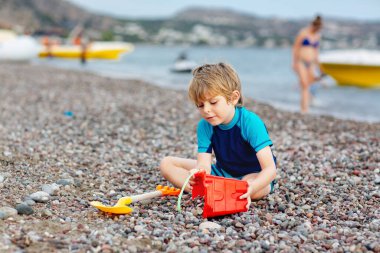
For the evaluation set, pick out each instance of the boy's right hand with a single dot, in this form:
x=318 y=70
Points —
x=191 y=181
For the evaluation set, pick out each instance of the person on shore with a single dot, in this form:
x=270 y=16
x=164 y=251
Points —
x=84 y=50
x=48 y=46
x=78 y=38
x=238 y=137
x=305 y=59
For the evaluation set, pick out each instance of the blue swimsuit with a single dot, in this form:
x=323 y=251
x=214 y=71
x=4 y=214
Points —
x=306 y=42
x=235 y=145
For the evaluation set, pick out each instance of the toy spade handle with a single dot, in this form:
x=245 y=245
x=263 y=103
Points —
x=145 y=196
x=168 y=191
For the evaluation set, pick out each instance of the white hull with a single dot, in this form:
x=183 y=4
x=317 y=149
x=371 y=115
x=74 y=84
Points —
x=20 y=48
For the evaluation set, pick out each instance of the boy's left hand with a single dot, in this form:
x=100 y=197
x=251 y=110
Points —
x=247 y=195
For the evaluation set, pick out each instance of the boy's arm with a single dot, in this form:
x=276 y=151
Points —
x=268 y=171
x=267 y=174
x=203 y=163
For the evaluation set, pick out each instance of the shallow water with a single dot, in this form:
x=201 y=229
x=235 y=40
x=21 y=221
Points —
x=266 y=76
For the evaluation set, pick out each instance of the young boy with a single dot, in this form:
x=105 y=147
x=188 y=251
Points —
x=238 y=137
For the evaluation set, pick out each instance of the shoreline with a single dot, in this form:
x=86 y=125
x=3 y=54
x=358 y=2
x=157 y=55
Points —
x=100 y=138
x=319 y=109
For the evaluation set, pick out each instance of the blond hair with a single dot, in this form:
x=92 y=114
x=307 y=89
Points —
x=214 y=80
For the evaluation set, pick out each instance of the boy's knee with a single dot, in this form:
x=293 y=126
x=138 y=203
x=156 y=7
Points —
x=261 y=194
x=165 y=163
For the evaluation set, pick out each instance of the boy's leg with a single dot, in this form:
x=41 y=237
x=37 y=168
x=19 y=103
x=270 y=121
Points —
x=260 y=194
x=176 y=170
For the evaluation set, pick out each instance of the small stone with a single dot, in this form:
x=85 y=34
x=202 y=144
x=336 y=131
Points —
x=209 y=225
x=24 y=209
x=281 y=208
x=304 y=228
x=139 y=228
x=6 y=212
x=241 y=243
x=51 y=189
x=46 y=213
x=66 y=181
x=112 y=193
x=28 y=201
x=265 y=245
x=33 y=236
x=40 y=196
x=269 y=217
x=239 y=225
x=7 y=153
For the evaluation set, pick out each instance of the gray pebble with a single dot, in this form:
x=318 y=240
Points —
x=24 y=209
x=46 y=213
x=51 y=189
x=28 y=201
x=209 y=225
x=40 y=196
x=66 y=181
x=6 y=212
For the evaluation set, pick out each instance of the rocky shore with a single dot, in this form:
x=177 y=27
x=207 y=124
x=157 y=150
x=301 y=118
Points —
x=67 y=138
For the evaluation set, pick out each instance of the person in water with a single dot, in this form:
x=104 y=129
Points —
x=305 y=59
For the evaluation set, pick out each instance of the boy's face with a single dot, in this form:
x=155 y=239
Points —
x=216 y=110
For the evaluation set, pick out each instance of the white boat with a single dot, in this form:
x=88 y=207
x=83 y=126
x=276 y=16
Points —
x=7 y=35
x=353 y=67
x=183 y=65
x=17 y=48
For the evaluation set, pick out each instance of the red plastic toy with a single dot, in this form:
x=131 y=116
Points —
x=221 y=194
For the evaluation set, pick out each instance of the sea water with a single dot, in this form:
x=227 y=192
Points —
x=266 y=76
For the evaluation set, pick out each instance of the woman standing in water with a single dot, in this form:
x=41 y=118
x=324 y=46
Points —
x=305 y=59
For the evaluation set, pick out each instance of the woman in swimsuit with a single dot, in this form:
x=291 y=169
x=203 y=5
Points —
x=305 y=58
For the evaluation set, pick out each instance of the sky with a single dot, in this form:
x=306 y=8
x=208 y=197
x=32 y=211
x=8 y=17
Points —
x=289 y=9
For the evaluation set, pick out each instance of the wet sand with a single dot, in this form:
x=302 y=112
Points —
x=81 y=137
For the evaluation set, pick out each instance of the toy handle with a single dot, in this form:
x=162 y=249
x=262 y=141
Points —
x=168 y=191
x=145 y=196
x=160 y=191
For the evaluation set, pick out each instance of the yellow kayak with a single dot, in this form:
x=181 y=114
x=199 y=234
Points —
x=355 y=67
x=96 y=50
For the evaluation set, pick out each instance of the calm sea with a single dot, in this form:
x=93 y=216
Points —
x=266 y=76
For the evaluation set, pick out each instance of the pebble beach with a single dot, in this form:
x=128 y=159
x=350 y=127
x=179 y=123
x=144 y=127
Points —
x=68 y=138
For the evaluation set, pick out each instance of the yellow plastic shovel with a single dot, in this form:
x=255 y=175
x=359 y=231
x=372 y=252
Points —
x=121 y=207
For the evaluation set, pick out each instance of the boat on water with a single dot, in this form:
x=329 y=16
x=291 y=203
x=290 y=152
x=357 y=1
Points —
x=15 y=47
x=95 y=50
x=359 y=68
x=183 y=64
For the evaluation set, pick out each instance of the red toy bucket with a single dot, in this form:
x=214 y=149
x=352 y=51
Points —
x=221 y=194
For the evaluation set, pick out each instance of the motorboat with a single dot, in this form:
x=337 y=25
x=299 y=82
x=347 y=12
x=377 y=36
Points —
x=15 y=47
x=183 y=65
x=359 y=68
x=95 y=50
